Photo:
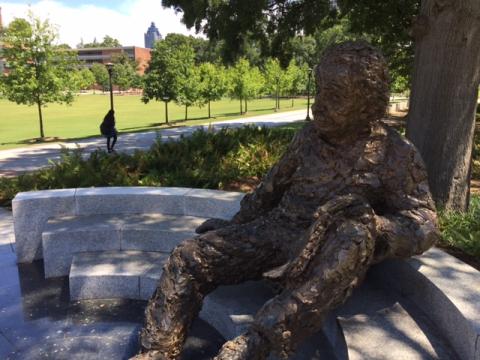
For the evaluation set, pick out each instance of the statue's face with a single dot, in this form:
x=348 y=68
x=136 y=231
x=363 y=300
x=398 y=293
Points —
x=335 y=104
x=352 y=92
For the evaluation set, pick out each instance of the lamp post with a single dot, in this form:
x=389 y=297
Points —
x=308 y=93
x=166 y=99
x=110 y=71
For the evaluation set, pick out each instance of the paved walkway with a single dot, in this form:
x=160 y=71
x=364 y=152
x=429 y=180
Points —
x=16 y=161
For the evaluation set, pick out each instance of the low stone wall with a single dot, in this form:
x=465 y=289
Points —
x=31 y=210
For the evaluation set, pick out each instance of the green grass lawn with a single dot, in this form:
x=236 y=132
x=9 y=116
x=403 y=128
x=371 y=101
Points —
x=19 y=124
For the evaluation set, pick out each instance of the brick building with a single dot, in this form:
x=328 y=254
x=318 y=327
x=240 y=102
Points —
x=90 y=56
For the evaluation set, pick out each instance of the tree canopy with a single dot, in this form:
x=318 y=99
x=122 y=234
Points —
x=107 y=41
x=39 y=71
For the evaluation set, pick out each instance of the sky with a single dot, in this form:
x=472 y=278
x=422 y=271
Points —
x=126 y=21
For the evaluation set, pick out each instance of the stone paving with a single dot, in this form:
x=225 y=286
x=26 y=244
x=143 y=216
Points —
x=15 y=161
x=38 y=321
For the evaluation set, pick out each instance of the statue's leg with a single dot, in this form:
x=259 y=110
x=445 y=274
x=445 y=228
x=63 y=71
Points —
x=196 y=267
x=298 y=311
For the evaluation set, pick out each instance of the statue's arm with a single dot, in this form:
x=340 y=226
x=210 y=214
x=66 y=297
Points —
x=409 y=225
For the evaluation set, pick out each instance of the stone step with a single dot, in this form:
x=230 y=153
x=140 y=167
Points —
x=115 y=274
x=231 y=309
x=378 y=324
x=372 y=324
x=65 y=236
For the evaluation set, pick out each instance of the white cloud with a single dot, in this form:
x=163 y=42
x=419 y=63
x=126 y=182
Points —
x=91 y=21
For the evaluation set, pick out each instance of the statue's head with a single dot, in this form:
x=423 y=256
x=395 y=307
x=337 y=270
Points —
x=352 y=89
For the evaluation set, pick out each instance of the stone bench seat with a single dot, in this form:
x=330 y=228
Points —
x=65 y=236
x=32 y=210
x=115 y=274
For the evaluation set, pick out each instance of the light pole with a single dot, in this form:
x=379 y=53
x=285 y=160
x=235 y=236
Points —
x=110 y=71
x=308 y=93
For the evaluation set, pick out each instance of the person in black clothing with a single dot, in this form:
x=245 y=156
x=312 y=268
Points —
x=107 y=128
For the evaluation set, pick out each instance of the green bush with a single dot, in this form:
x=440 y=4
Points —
x=462 y=230
x=203 y=160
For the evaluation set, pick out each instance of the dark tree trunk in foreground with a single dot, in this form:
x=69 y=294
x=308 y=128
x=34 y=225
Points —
x=446 y=77
x=40 y=117
x=209 y=112
x=186 y=112
x=246 y=106
x=241 y=106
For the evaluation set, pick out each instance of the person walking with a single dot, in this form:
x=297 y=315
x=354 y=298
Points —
x=107 y=129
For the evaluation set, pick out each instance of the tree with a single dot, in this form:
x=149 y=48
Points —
x=213 y=83
x=276 y=80
x=388 y=24
x=239 y=77
x=84 y=79
x=297 y=78
x=446 y=77
x=237 y=23
x=188 y=81
x=123 y=75
x=100 y=73
x=107 y=41
x=161 y=77
x=254 y=85
x=40 y=73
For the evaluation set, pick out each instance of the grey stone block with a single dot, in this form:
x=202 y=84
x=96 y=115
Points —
x=389 y=333
x=31 y=211
x=129 y=200
x=60 y=247
x=104 y=287
x=113 y=274
x=212 y=203
x=231 y=309
x=149 y=279
x=158 y=232
x=446 y=289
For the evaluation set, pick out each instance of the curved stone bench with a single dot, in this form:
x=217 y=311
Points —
x=31 y=210
x=66 y=236
x=446 y=289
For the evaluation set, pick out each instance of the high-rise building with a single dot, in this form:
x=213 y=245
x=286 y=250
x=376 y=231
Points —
x=151 y=36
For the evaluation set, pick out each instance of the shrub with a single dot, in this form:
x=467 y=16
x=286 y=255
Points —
x=203 y=160
x=462 y=230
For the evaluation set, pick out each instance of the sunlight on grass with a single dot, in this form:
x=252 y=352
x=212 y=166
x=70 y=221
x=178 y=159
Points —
x=19 y=123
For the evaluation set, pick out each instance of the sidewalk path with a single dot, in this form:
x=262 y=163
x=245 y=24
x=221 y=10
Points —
x=16 y=161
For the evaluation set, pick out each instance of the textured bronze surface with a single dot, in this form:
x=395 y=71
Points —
x=348 y=193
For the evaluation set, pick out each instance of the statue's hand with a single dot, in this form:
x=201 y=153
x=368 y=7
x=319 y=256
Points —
x=351 y=205
x=211 y=224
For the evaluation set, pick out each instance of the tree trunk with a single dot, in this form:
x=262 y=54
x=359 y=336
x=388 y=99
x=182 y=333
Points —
x=241 y=106
x=166 y=112
x=246 y=106
x=40 y=117
x=293 y=102
x=445 y=83
x=209 y=113
x=186 y=112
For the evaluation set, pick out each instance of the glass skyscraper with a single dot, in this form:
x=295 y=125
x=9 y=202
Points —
x=151 y=36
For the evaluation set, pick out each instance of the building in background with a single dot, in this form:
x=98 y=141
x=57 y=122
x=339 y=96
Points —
x=90 y=56
x=152 y=35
